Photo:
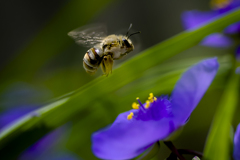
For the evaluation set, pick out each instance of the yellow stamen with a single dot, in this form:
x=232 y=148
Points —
x=137 y=98
x=155 y=99
x=151 y=97
x=147 y=104
x=135 y=105
x=220 y=3
x=130 y=116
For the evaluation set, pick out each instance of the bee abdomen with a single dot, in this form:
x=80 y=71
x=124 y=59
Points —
x=88 y=69
x=92 y=60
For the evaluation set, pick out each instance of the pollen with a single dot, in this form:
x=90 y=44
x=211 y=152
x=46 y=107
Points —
x=155 y=99
x=142 y=107
x=135 y=105
x=147 y=104
x=220 y=3
x=151 y=98
x=130 y=116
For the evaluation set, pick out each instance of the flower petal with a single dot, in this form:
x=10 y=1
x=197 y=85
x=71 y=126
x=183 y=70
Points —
x=237 y=55
x=236 y=151
x=13 y=114
x=233 y=28
x=237 y=71
x=46 y=145
x=126 y=139
x=234 y=4
x=217 y=40
x=191 y=87
x=195 y=18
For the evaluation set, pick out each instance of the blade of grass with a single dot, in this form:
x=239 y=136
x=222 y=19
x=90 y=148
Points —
x=218 y=141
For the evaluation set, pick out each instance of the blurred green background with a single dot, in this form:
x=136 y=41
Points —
x=39 y=63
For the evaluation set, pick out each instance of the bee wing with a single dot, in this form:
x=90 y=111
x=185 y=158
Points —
x=90 y=35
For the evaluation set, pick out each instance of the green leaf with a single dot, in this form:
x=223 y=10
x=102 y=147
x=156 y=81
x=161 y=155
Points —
x=84 y=101
x=218 y=141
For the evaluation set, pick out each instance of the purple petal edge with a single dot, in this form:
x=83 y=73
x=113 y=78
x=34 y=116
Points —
x=126 y=139
x=191 y=87
x=217 y=40
x=237 y=71
x=236 y=150
x=237 y=55
x=193 y=19
x=233 y=28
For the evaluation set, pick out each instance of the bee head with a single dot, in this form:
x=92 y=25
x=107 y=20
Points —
x=128 y=44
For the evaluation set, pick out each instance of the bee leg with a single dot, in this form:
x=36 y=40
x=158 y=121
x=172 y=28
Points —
x=107 y=64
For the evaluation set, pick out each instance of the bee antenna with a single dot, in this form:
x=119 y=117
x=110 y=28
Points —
x=129 y=29
x=133 y=34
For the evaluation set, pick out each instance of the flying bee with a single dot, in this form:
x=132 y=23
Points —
x=104 y=49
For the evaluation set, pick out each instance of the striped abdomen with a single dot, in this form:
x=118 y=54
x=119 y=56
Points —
x=92 y=60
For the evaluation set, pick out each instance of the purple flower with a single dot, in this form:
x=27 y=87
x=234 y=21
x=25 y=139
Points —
x=45 y=148
x=13 y=114
x=50 y=147
x=136 y=130
x=195 y=18
x=237 y=71
x=238 y=54
x=17 y=102
x=236 y=151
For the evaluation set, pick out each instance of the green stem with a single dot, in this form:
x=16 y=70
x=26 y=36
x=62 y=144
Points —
x=174 y=150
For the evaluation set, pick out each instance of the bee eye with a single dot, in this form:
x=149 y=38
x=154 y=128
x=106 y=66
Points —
x=104 y=46
x=126 y=43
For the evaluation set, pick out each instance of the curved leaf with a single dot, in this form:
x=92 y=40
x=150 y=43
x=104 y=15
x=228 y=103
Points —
x=218 y=141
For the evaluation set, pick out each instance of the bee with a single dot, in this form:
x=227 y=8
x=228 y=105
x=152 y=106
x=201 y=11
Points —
x=104 y=49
